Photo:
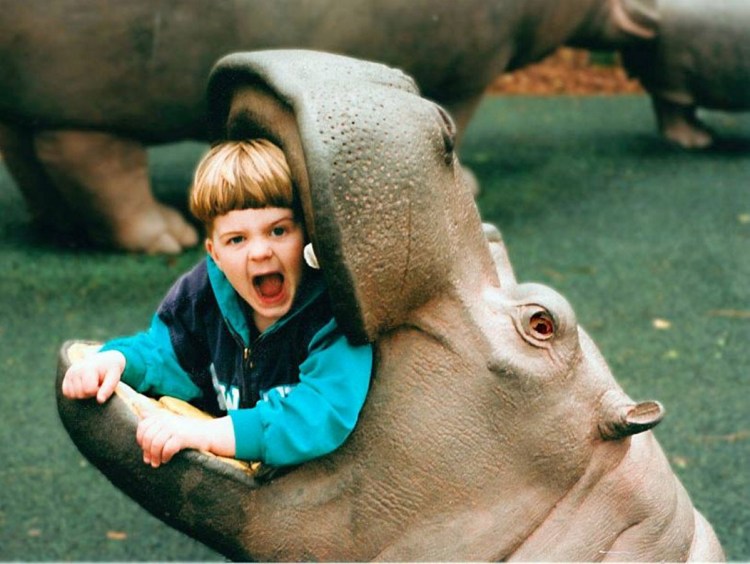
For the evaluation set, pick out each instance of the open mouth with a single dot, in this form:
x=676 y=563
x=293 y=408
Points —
x=270 y=287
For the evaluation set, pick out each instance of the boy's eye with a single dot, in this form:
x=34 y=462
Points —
x=237 y=239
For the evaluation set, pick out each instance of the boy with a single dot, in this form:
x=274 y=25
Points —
x=247 y=335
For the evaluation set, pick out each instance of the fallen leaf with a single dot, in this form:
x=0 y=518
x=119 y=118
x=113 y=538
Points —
x=671 y=354
x=741 y=435
x=554 y=274
x=732 y=313
x=680 y=461
x=661 y=324
x=117 y=535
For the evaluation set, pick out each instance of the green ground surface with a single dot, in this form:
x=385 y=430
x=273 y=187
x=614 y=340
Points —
x=590 y=202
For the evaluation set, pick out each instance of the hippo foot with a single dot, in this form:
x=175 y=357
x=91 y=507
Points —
x=158 y=230
x=689 y=135
x=679 y=125
x=103 y=181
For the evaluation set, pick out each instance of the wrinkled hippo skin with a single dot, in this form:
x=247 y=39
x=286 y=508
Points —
x=84 y=89
x=700 y=57
x=493 y=430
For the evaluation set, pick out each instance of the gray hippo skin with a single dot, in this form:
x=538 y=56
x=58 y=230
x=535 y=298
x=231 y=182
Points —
x=494 y=429
x=86 y=85
x=700 y=57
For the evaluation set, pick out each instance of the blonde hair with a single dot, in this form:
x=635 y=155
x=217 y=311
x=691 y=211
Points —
x=236 y=175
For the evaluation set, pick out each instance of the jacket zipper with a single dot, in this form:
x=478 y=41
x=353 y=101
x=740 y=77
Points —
x=251 y=384
x=249 y=387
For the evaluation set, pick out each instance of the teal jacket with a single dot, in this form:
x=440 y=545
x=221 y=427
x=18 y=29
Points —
x=293 y=392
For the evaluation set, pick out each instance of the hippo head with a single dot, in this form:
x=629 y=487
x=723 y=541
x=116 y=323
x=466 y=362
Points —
x=564 y=400
x=395 y=229
x=374 y=163
x=553 y=352
x=489 y=403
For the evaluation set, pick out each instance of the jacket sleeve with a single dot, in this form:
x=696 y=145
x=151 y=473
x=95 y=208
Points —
x=151 y=364
x=318 y=414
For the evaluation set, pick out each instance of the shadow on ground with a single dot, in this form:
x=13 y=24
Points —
x=650 y=244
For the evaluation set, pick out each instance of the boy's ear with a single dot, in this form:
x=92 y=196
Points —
x=209 y=244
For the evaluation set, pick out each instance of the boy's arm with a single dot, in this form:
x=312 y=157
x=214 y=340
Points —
x=318 y=414
x=161 y=435
x=151 y=364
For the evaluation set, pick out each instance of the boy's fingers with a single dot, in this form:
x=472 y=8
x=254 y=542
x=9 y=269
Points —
x=171 y=447
x=69 y=383
x=66 y=385
x=74 y=384
x=79 y=383
x=143 y=432
x=160 y=438
x=147 y=437
x=108 y=385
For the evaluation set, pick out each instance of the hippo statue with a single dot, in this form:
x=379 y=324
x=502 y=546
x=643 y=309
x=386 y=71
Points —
x=493 y=429
x=700 y=57
x=84 y=90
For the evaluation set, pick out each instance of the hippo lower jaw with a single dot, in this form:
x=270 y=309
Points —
x=614 y=514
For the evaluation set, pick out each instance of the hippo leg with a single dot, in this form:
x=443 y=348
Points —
x=104 y=181
x=679 y=124
x=48 y=209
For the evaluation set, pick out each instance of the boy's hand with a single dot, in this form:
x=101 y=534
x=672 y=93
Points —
x=96 y=375
x=162 y=434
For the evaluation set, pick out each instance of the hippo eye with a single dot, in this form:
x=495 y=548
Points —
x=536 y=324
x=541 y=325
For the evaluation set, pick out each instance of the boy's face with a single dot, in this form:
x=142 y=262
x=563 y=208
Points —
x=260 y=253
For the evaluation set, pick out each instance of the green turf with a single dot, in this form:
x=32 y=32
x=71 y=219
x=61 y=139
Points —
x=589 y=201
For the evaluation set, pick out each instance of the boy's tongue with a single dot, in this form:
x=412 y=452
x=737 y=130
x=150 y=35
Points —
x=270 y=285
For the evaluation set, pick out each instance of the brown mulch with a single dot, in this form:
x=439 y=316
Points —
x=568 y=71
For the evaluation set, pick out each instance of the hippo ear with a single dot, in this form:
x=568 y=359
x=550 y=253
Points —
x=386 y=208
x=636 y=18
x=499 y=254
x=622 y=420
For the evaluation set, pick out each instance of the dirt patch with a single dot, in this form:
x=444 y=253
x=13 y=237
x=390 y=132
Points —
x=569 y=71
